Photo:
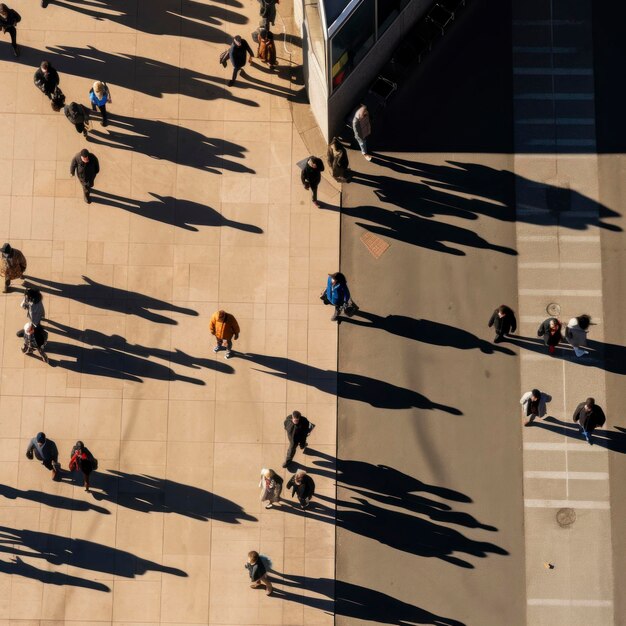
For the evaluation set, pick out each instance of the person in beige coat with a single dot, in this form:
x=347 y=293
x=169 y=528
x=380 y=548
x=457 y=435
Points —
x=224 y=328
x=13 y=265
x=271 y=486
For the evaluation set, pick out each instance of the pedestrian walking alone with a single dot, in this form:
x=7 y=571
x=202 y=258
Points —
x=337 y=158
x=362 y=127
x=35 y=338
x=46 y=451
x=100 y=96
x=576 y=334
x=33 y=303
x=86 y=167
x=589 y=416
x=337 y=293
x=298 y=429
x=78 y=116
x=267 y=10
x=13 y=265
x=258 y=573
x=238 y=54
x=225 y=329
x=311 y=176
x=9 y=18
x=46 y=78
x=504 y=322
x=83 y=461
x=271 y=485
x=302 y=486
x=534 y=405
x=266 y=50
x=550 y=330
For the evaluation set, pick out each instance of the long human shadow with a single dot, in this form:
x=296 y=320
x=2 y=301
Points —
x=81 y=553
x=614 y=440
x=426 y=331
x=195 y=19
x=149 y=494
x=347 y=385
x=354 y=601
x=184 y=214
x=51 y=500
x=137 y=73
x=170 y=142
x=17 y=567
x=110 y=298
x=118 y=344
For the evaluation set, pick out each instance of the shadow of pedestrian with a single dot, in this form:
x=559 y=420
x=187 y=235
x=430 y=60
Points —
x=614 y=440
x=51 y=500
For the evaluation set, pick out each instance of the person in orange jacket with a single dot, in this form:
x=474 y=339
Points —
x=225 y=328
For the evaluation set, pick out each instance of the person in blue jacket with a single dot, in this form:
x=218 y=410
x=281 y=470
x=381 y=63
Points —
x=100 y=96
x=337 y=293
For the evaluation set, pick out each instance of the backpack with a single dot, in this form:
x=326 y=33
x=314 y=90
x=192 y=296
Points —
x=57 y=100
x=224 y=57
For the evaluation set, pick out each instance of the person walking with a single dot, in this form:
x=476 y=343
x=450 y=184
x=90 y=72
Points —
x=225 y=329
x=266 y=50
x=271 y=485
x=9 y=18
x=311 y=176
x=238 y=54
x=46 y=78
x=576 y=334
x=504 y=322
x=86 y=167
x=100 y=96
x=337 y=157
x=267 y=10
x=82 y=461
x=258 y=573
x=33 y=303
x=589 y=416
x=13 y=265
x=46 y=451
x=534 y=405
x=550 y=330
x=362 y=127
x=337 y=293
x=298 y=429
x=35 y=338
x=78 y=116
x=302 y=486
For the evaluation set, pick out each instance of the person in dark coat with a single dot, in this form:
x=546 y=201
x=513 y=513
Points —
x=35 y=338
x=298 y=428
x=12 y=265
x=82 y=460
x=86 y=167
x=267 y=10
x=504 y=322
x=35 y=310
x=302 y=486
x=589 y=416
x=46 y=451
x=238 y=54
x=46 y=78
x=337 y=157
x=258 y=573
x=550 y=330
x=8 y=21
x=337 y=293
x=78 y=116
x=311 y=176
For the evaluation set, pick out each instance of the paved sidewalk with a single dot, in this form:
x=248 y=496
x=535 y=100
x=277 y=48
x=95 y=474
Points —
x=198 y=206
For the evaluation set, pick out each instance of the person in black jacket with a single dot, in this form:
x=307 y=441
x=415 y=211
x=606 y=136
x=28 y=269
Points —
x=35 y=338
x=8 y=21
x=86 y=166
x=82 y=460
x=258 y=573
x=337 y=158
x=589 y=416
x=312 y=175
x=503 y=319
x=237 y=54
x=302 y=486
x=78 y=115
x=550 y=330
x=298 y=429
x=46 y=78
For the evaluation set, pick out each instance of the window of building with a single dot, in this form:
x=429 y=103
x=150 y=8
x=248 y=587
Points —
x=316 y=31
x=388 y=10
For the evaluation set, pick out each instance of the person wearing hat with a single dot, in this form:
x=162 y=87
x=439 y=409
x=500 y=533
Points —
x=35 y=311
x=86 y=167
x=13 y=265
x=100 y=96
x=534 y=405
x=46 y=451
x=237 y=54
x=82 y=460
x=35 y=338
x=224 y=327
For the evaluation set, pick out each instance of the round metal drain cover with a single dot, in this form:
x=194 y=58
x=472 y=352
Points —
x=553 y=309
x=565 y=517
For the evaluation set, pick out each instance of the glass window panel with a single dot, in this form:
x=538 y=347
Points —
x=388 y=10
x=316 y=32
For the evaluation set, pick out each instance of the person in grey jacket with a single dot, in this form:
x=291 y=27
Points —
x=534 y=405
x=362 y=129
x=33 y=303
x=576 y=334
x=589 y=416
x=257 y=572
x=46 y=451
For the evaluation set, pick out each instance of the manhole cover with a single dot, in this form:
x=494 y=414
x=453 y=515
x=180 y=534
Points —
x=374 y=244
x=565 y=517
x=553 y=309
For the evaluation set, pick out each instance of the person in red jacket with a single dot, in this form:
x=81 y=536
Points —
x=224 y=328
x=82 y=460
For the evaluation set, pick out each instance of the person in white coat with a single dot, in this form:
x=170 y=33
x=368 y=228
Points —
x=534 y=405
x=576 y=334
